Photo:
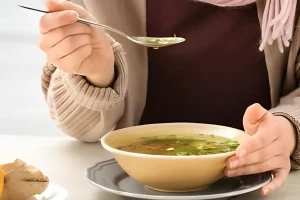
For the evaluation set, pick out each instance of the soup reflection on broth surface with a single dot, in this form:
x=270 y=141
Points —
x=181 y=145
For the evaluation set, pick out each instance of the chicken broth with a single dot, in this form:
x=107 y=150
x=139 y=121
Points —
x=181 y=145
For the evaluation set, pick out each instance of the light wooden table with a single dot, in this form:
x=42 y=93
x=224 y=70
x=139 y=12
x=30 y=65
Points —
x=65 y=160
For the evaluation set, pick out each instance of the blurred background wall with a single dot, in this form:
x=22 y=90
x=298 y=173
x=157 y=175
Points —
x=23 y=110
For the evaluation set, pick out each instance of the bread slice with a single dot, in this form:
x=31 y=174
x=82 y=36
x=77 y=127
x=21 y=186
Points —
x=22 y=181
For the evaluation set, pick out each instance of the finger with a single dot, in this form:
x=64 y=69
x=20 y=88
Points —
x=67 y=46
x=262 y=155
x=75 y=59
x=55 y=36
x=60 y=5
x=254 y=114
x=277 y=162
x=258 y=141
x=57 y=19
x=280 y=177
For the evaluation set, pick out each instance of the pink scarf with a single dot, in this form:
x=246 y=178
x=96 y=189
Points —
x=277 y=22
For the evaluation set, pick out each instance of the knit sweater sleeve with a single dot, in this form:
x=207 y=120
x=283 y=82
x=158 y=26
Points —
x=78 y=108
x=289 y=107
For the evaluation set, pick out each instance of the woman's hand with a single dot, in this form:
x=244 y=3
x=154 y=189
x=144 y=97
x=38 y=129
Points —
x=268 y=149
x=74 y=47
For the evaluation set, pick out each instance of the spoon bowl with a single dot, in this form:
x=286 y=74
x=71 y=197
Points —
x=157 y=42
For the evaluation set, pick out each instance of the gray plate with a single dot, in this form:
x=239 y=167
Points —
x=109 y=176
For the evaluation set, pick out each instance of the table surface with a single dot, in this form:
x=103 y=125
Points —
x=65 y=160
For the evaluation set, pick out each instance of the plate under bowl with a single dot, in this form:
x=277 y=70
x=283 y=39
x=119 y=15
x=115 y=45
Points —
x=110 y=177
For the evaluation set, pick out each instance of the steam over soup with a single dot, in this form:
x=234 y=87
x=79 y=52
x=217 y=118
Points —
x=181 y=145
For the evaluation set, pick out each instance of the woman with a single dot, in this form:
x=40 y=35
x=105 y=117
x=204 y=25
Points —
x=217 y=76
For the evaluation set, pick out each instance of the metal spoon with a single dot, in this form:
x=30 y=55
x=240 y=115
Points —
x=153 y=42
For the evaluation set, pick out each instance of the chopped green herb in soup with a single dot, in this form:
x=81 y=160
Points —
x=181 y=145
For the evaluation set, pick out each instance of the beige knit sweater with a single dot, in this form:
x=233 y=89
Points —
x=87 y=113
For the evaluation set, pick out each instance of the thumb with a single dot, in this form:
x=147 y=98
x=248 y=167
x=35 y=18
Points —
x=253 y=116
x=60 y=5
x=54 y=5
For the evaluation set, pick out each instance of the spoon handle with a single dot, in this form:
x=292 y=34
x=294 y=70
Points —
x=102 y=26
x=80 y=20
x=34 y=9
